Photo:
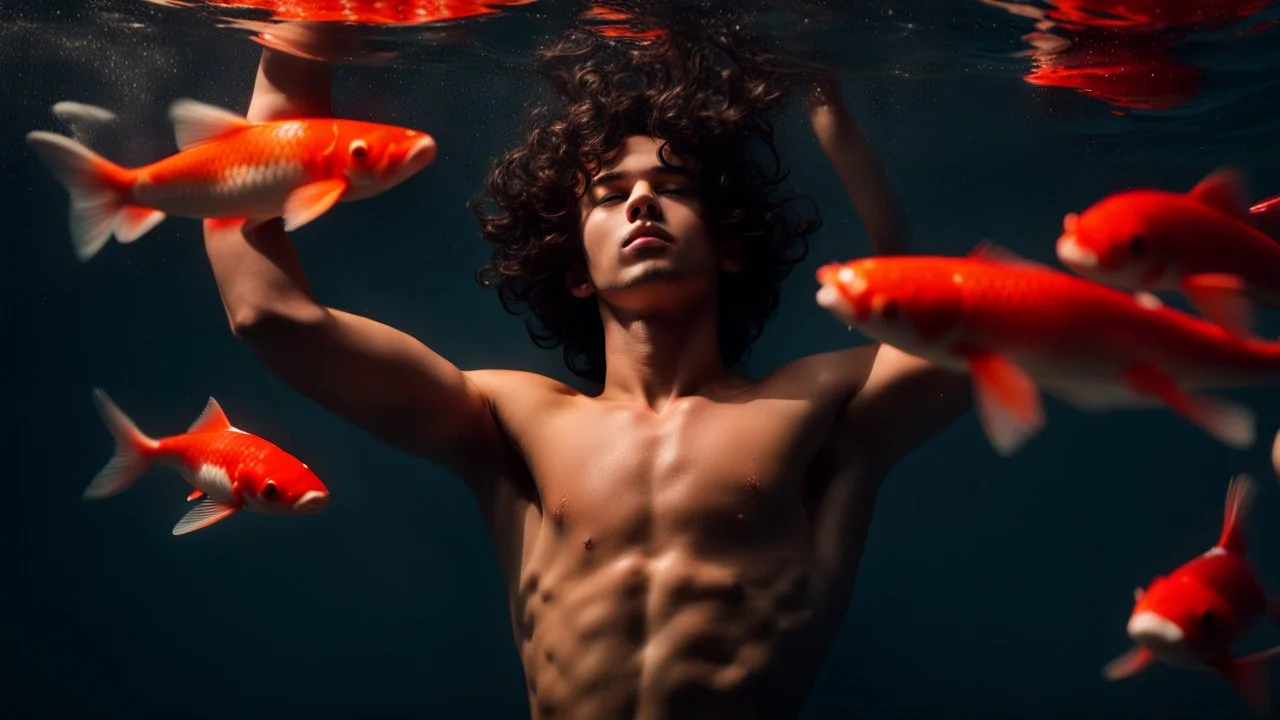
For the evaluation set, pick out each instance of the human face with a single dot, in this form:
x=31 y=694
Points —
x=642 y=228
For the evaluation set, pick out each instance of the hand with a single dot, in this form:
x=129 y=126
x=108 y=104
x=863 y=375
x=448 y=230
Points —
x=824 y=93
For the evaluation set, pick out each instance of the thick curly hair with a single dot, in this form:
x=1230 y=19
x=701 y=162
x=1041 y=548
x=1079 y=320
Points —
x=705 y=97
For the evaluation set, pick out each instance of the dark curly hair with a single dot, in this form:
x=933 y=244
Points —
x=705 y=97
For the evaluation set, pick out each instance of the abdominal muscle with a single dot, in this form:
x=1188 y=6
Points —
x=669 y=631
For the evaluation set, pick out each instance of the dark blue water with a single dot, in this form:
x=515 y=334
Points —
x=990 y=587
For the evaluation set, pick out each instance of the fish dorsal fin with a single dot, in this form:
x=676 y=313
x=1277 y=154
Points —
x=211 y=420
x=1240 y=495
x=994 y=252
x=195 y=122
x=1226 y=190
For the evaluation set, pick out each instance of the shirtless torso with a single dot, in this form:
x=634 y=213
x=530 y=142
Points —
x=683 y=544
x=693 y=562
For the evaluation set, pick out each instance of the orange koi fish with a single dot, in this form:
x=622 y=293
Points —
x=230 y=468
x=1191 y=617
x=1204 y=242
x=228 y=167
x=1014 y=325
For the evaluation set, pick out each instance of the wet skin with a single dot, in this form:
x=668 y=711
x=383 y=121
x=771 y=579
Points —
x=681 y=544
x=693 y=562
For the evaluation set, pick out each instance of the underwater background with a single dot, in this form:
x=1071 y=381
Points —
x=990 y=587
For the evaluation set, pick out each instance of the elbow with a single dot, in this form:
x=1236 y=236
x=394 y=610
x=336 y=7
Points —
x=260 y=325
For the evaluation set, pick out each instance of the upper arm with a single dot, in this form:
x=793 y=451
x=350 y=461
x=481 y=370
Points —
x=385 y=382
x=903 y=403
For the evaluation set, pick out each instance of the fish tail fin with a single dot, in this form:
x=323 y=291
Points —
x=97 y=188
x=1235 y=522
x=132 y=456
x=1251 y=679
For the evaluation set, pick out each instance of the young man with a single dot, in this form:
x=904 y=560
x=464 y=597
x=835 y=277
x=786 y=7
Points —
x=684 y=542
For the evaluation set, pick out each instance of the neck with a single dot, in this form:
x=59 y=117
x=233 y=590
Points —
x=659 y=356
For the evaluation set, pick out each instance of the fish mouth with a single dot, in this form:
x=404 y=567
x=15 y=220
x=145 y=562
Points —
x=422 y=153
x=312 y=501
x=830 y=298
x=1072 y=254
x=1155 y=632
x=647 y=230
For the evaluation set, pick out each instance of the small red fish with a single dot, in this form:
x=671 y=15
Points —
x=1014 y=324
x=228 y=167
x=1191 y=617
x=230 y=468
x=1203 y=242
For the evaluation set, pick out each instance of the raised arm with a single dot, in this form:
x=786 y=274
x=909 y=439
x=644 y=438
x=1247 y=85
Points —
x=902 y=400
x=864 y=180
x=376 y=377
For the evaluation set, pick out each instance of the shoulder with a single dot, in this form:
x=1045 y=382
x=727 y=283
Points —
x=515 y=394
x=886 y=400
x=839 y=373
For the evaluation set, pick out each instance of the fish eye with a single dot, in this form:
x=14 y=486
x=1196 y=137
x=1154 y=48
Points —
x=270 y=491
x=359 y=149
x=1137 y=245
x=1207 y=619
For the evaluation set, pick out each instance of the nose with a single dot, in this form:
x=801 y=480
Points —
x=313 y=501
x=643 y=204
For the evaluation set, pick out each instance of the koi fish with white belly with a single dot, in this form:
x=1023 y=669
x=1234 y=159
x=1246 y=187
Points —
x=1014 y=325
x=230 y=168
x=231 y=469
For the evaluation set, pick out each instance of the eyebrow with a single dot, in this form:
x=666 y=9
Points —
x=616 y=175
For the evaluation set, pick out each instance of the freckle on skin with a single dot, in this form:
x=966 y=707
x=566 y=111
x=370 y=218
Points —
x=557 y=515
x=588 y=544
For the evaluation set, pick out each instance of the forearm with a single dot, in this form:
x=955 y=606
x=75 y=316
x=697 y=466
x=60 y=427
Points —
x=259 y=273
x=864 y=180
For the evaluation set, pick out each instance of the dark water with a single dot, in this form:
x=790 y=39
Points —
x=990 y=587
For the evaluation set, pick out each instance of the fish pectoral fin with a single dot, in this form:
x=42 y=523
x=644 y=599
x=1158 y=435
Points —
x=1131 y=662
x=1221 y=298
x=208 y=512
x=1226 y=190
x=1262 y=656
x=311 y=201
x=195 y=495
x=1251 y=680
x=1009 y=404
x=1231 y=423
x=195 y=122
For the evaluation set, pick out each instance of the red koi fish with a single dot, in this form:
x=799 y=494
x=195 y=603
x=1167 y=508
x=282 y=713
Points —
x=368 y=12
x=231 y=469
x=1191 y=617
x=1014 y=324
x=1203 y=242
x=228 y=167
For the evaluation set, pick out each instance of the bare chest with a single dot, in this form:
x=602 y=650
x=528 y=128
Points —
x=708 y=473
